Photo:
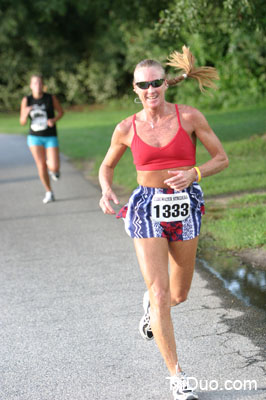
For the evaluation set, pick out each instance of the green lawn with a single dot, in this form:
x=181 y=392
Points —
x=238 y=223
x=86 y=136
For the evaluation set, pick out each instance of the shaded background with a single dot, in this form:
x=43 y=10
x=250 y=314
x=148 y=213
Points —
x=87 y=50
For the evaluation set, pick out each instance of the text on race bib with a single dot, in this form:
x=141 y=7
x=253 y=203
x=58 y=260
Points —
x=170 y=207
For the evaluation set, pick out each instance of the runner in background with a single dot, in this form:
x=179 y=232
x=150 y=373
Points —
x=42 y=140
x=163 y=214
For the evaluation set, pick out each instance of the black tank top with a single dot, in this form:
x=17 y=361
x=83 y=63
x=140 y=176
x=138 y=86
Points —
x=42 y=110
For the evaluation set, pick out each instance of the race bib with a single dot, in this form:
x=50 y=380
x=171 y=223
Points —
x=170 y=207
x=38 y=118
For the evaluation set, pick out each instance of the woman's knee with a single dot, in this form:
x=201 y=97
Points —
x=41 y=165
x=179 y=298
x=160 y=298
x=53 y=160
x=53 y=165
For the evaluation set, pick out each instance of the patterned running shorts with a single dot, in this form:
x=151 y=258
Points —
x=139 y=224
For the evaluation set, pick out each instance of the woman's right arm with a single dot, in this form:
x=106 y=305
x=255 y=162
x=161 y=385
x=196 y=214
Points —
x=24 y=111
x=106 y=171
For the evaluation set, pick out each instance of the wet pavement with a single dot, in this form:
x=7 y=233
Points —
x=245 y=282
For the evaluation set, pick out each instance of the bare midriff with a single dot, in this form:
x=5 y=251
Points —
x=156 y=178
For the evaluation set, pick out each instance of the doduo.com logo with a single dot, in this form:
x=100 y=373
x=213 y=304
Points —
x=213 y=384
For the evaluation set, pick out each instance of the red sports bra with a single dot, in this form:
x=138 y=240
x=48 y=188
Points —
x=179 y=152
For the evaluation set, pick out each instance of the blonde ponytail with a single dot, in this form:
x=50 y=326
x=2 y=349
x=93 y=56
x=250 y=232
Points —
x=185 y=61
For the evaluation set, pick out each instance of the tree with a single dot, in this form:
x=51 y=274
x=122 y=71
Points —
x=87 y=51
x=227 y=34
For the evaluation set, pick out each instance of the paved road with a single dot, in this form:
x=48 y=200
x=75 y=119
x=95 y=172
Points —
x=71 y=295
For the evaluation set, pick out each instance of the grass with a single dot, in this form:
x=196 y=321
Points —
x=86 y=136
x=246 y=171
x=238 y=223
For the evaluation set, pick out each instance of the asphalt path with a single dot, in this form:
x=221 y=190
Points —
x=71 y=299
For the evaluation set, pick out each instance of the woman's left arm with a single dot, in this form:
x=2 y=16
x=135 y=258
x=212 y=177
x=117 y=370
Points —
x=59 y=110
x=210 y=141
x=219 y=160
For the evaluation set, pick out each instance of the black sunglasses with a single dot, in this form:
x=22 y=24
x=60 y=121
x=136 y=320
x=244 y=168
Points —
x=146 y=84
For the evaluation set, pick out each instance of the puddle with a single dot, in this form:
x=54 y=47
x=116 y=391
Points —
x=246 y=283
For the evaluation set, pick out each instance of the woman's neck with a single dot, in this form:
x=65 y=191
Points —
x=154 y=115
x=37 y=95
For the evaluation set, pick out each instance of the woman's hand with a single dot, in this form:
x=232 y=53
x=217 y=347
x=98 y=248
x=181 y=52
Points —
x=105 y=202
x=50 y=122
x=181 y=179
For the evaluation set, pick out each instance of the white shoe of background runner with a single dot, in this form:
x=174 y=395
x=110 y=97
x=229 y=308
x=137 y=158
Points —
x=48 y=198
x=54 y=175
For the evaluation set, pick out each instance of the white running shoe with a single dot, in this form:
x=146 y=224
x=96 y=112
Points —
x=48 y=198
x=180 y=386
x=144 y=324
x=54 y=175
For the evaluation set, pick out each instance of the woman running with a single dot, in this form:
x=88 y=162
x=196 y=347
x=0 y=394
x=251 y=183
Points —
x=163 y=214
x=42 y=140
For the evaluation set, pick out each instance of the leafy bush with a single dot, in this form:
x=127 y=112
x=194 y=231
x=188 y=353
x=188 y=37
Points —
x=87 y=51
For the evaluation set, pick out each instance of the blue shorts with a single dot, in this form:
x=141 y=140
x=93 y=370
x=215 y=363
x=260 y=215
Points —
x=139 y=224
x=45 y=141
